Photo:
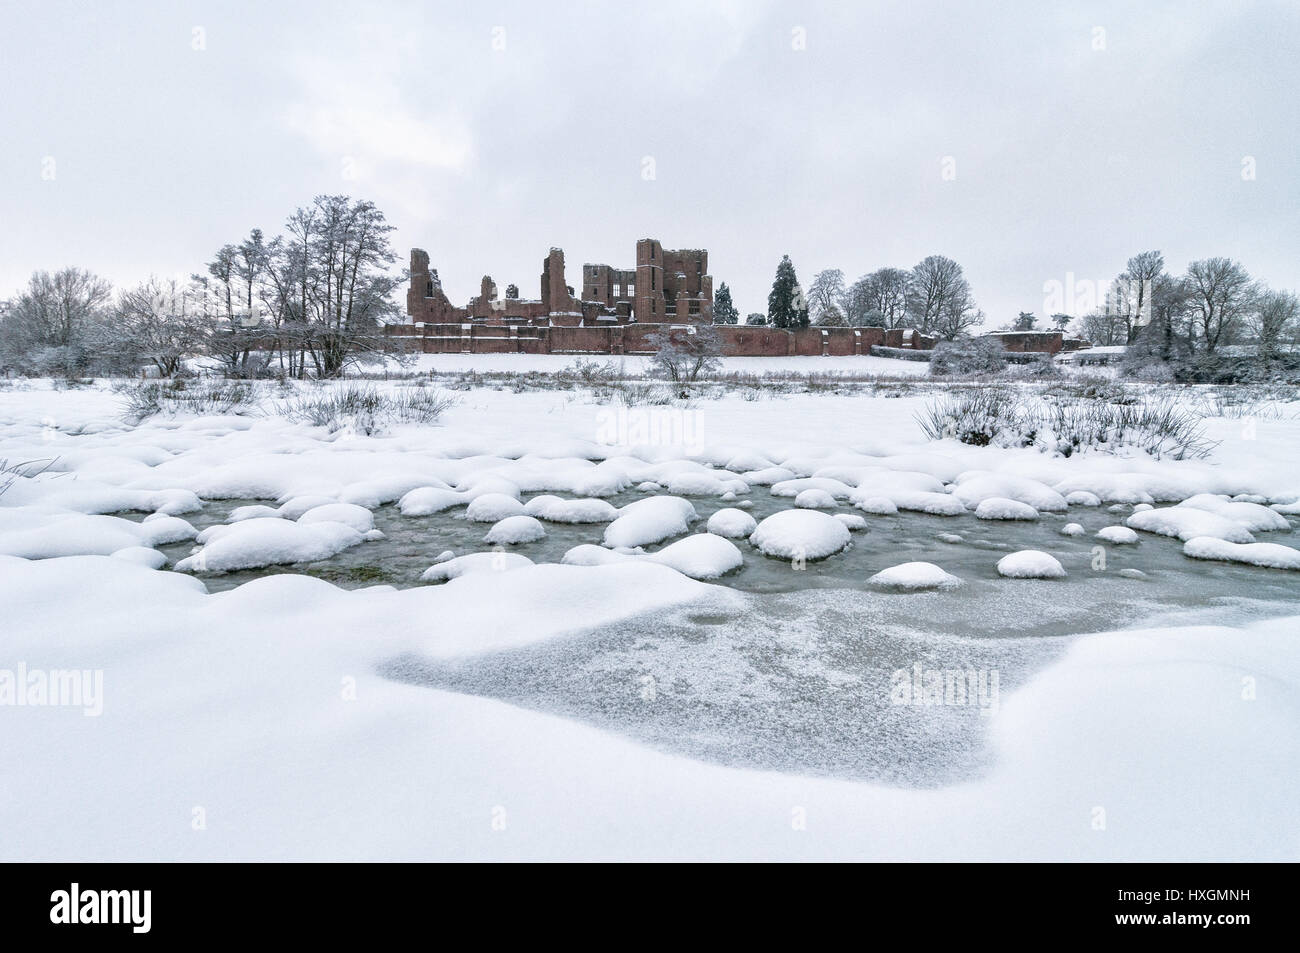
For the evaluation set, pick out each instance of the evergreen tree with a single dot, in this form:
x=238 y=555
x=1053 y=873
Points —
x=786 y=306
x=724 y=312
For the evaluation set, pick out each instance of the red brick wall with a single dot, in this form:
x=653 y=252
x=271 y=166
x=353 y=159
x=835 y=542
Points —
x=1022 y=342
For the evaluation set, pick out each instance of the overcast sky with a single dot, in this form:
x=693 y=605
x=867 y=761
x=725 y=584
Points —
x=140 y=137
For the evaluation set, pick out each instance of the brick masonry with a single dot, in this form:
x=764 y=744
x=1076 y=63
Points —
x=615 y=310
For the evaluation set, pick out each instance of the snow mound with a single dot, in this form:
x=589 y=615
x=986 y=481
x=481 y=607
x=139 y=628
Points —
x=792 y=534
x=515 y=529
x=1072 y=529
x=952 y=538
x=1133 y=574
x=349 y=514
x=295 y=506
x=731 y=523
x=703 y=484
x=974 y=489
x=38 y=536
x=491 y=507
x=914 y=575
x=767 y=476
x=1030 y=564
x=877 y=505
x=497 y=561
x=268 y=542
x=427 y=500
x=142 y=556
x=1001 y=508
x=553 y=509
x=1267 y=555
x=255 y=511
x=1082 y=498
x=1119 y=535
x=1187 y=522
x=834 y=488
x=1293 y=508
x=936 y=504
x=814 y=499
x=852 y=520
x=1252 y=516
x=702 y=556
x=159 y=530
x=650 y=520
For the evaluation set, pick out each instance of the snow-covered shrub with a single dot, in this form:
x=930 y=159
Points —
x=683 y=354
x=995 y=416
x=966 y=356
x=1093 y=387
x=1159 y=427
x=901 y=353
x=179 y=396
x=979 y=417
x=368 y=411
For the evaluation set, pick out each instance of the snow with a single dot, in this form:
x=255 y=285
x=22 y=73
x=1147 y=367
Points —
x=972 y=488
x=853 y=521
x=268 y=542
x=1118 y=535
x=701 y=556
x=1072 y=529
x=515 y=529
x=142 y=556
x=1082 y=498
x=936 y=504
x=732 y=523
x=650 y=521
x=497 y=561
x=835 y=489
x=249 y=680
x=877 y=505
x=794 y=534
x=1030 y=564
x=491 y=507
x=999 y=508
x=427 y=500
x=1187 y=522
x=349 y=514
x=1267 y=555
x=814 y=499
x=553 y=509
x=1252 y=516
x=914 y=575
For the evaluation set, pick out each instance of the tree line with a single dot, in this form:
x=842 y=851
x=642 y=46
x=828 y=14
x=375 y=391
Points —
x=933 y=296
x=312 y=299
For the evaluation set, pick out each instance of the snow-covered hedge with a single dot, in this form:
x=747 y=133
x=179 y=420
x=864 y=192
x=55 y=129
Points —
x=900 y=353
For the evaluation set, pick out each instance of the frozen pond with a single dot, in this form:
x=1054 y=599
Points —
x=791 y=669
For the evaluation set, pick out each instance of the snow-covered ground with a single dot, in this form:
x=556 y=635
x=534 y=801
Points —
x=550 y=363
x=284 y=718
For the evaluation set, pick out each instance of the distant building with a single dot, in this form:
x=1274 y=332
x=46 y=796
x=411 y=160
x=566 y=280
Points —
x=665 y=286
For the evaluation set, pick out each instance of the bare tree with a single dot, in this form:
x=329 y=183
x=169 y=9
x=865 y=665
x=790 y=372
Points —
x=46 y=329
x=880 y=299
x=1221 y=294
x=826 y=297
x=155 y=323
x=940 y=300
x=1275 y=324
x=683 y=353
